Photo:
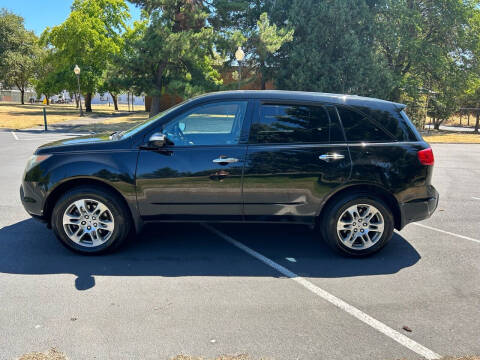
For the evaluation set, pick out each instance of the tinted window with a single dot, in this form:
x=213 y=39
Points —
x=391 y=121
x=291 y=124
x=211 y=124
x=359 y=129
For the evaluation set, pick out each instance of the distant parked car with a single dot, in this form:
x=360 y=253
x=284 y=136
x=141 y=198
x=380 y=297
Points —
x=355 y=167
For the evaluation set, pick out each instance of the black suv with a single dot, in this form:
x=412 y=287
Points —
x=355 y=167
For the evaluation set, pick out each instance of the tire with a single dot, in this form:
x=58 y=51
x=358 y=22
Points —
x=106 y=216
x=336 y=233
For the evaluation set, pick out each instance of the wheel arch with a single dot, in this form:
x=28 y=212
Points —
x=59 y=190
x=371 y=189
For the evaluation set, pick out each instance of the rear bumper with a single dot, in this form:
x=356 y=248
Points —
x=420 y=209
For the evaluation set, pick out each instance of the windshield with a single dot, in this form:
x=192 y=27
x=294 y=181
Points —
x=139 y=127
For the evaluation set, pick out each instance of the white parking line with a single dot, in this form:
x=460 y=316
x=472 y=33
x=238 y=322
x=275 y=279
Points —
x=447 y=232
x=360 y=315
x=44 y=136
x=476 y=198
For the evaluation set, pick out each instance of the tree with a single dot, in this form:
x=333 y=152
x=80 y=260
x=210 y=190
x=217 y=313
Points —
x=264 y=42
x=47 y=80
x=174 y=52
x=471 y=97
x=89 y=38
x=427 y=49
x=332 y=51
x=18 y=52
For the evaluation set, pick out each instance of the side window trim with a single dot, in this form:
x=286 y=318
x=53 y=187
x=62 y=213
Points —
x=334 y=109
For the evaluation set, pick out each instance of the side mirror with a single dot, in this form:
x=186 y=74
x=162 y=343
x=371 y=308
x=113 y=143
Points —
x=157 y=140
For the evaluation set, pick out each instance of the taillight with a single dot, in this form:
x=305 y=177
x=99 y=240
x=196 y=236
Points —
x=426 y=157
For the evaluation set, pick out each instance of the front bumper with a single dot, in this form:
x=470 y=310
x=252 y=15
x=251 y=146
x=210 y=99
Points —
x=420 y=209
x=31 y=201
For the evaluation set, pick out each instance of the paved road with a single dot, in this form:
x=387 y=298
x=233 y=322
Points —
x=187 y=289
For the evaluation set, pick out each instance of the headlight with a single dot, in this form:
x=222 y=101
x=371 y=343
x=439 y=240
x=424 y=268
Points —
x=35 y=160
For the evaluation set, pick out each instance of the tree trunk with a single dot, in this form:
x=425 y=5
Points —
x=115 y=101
x=263 y=84
x=477 y=121
x=22 y=96
x=436 y=125
x=148 y=103
x=155 y=106
x=48 y=99
x=88 y=102
x=395 y=95
x=76 y=96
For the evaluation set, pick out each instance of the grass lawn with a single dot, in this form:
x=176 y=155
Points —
x=451 y=137
x=16 y=116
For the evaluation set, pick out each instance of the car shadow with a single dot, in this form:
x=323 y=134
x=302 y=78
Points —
x=182 y=249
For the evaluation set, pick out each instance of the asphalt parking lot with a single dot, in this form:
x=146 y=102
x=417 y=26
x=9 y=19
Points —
x=269 y=291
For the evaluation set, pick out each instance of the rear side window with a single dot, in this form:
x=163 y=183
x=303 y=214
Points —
x=392 y=121
x=358 y=128
x=278 y=123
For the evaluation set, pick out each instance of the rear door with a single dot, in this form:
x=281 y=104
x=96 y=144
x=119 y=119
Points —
x=296 y=156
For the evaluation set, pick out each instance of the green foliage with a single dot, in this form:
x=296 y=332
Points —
x=47 y=80
x=427 y=47
x=263 y=43
x=19 y=52
x=421 y=52
x=173 y=52
x=333 y=50
x=89 y=38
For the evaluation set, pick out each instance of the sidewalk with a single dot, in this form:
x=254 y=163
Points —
x=452 y=128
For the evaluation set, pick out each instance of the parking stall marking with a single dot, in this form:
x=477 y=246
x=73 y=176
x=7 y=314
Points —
x=45 y=136
x=475 y=198
x=353 y=311
x=447 y=232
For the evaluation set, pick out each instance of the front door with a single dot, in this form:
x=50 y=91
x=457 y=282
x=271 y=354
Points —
x=296 y=156
x=201 y=173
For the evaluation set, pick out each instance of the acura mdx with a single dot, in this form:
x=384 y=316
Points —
x=353 y=168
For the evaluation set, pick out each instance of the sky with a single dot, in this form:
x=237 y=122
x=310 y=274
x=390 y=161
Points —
x=39 y=14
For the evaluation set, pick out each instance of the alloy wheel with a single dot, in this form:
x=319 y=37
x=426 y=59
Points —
x=88 y=222
x=360 y=226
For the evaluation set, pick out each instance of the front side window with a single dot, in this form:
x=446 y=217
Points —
x=358 y=128
x=218 y=123
x=291 y=124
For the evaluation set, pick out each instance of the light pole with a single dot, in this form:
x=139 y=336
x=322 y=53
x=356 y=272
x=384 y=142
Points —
x=239 y=55
x=76 y=70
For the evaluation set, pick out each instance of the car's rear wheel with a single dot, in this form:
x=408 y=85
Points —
x=91 y=220
x=357 y=224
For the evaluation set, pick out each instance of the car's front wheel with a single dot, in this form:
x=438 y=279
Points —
x=357 y=224
x=90 y=220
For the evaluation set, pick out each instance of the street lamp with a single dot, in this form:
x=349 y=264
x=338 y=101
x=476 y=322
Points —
x=76 y=70
x=239 y=55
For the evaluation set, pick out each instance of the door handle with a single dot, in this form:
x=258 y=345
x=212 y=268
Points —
x=224 y=160
x=331 y=157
